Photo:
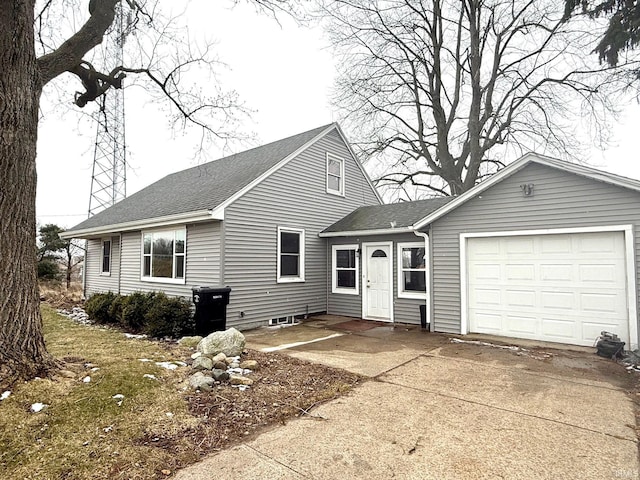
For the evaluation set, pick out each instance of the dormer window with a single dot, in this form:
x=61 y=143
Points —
x=335 y=175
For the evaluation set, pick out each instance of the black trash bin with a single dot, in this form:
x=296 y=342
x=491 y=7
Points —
x=423 y=318
x=211 y=309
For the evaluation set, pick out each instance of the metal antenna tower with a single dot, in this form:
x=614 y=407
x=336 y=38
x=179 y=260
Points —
x=109 y=173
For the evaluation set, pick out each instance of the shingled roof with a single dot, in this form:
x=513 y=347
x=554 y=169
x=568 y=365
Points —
x=386 y=217
x=199 y=188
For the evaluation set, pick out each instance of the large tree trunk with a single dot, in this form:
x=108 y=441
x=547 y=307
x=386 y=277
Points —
x=22 y=348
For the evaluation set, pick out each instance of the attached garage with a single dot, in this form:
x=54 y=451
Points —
x=558 y=287
x=544 y=250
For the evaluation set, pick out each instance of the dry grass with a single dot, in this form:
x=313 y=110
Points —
x=84 y=434
x=56 y=294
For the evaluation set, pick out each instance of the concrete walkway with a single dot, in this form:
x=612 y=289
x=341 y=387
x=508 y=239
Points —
x=434 y=409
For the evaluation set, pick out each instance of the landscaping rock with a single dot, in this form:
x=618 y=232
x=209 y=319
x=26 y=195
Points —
x=249 y=365
x=234 y=365
x=221 y=357
x=220 y=365
x=190 y=341
x=220 y=375
x=231 y=360
x=196 y=355
x=201 y=381
x=202 y=363
x=230 y=342
x=240 y=380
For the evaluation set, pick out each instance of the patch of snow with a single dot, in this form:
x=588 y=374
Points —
x=107 y=429
x=95 y=369
x=5 y=395
x=145 y=360
x=171 y=365
x=118 y=396
x=242 y=388
x=132 y=335
x=37 y=407
x=169 y=414
x=148 y=375
x=86 y=379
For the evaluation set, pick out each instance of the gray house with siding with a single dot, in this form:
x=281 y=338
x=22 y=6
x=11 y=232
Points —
x=249 y=221
x=543 y=250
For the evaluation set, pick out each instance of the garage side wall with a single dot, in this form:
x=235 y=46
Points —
x=560 y=200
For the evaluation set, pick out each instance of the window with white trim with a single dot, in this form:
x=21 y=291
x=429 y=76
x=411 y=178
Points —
x=345 y=269
x=412 y=271
x=163 y=255
x=290 y=263
x=106 y=258
x=335 y=175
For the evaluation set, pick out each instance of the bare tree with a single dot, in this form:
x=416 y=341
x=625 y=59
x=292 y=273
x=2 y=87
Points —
x=35 y=49
x=443 y=92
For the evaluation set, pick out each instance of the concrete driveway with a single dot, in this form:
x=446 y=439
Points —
x=434 y=409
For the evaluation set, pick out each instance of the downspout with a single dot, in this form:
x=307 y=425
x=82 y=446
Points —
x=427 y=252
x=120 y=264
x=84 y=270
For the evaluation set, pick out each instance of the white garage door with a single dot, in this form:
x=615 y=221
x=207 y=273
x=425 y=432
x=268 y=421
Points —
x=559 y=288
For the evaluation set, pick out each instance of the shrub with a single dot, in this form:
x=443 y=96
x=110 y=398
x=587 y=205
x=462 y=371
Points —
x=168 y=317
x=133 y=310
x=48 y=269
x=98 y=307
x=115 y=310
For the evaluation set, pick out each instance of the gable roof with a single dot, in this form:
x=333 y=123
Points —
x=390 y=218
x=589 y=172
x=196 y=193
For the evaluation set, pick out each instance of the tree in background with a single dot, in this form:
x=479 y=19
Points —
x=623 y=29
x=39 y=42
x=52 y=249
x=442 y=92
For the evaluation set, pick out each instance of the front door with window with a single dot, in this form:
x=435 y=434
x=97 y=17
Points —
x=378 y=287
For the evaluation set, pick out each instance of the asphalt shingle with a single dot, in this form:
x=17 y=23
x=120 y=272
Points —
x=383 y=217
x=199 y=188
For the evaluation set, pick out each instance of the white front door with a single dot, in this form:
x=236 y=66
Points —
x=378 y=287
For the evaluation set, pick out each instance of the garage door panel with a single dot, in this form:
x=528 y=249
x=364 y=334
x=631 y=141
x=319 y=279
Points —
x=557 y=272
x=520 y=272
x=520 y=298
x=490 y=323
x=487 y=297
x=564 y=288
x=561 y=330
x=557 y=300
x=522 y=324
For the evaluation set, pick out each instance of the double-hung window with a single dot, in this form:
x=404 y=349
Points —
x=335 y=175
x=412 y=271
x=290 y=263
x=345 y=269
x=163 y=255
x=105 y=268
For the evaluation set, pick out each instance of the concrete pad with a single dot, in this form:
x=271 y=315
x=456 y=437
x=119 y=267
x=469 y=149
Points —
x=274 y=336
x=600 y=408
x=388 y=431
x=362 y=355
x=241 y=460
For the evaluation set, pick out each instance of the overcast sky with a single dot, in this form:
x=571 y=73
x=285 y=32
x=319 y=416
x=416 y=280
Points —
x=284 y=73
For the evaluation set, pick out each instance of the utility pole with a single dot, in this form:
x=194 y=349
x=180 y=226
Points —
x=109 y=172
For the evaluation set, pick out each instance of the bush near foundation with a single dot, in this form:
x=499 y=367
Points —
x=152 y=313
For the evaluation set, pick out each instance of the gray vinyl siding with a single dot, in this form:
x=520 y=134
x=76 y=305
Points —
x=95 y=281
x=405 y=310
x=202 y=262
x=560 y=200
x=294 y=197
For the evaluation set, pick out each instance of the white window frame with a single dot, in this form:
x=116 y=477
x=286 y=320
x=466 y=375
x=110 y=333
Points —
x=334 y=270
x=150 y=279
x=402 y=293
x=106 y=273
x=340 y=191
x=301 y=257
